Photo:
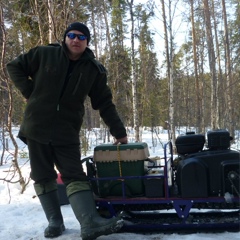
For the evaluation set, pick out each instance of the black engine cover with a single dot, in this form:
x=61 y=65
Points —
x=205 y=174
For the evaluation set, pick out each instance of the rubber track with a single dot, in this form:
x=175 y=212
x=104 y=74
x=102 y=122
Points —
x=170 y=222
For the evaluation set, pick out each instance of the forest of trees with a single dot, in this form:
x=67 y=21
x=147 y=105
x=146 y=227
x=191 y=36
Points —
x=170 y=63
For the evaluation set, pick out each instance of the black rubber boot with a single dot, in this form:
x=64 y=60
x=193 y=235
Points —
x=92 y=224
x=51 y=207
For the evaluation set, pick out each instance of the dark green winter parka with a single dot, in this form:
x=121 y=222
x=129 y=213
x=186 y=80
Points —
x=54 y=111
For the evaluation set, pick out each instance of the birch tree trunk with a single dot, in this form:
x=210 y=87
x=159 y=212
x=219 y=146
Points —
x=94 y=29
x=134 y=77
x=220 y=86
x=107 y=25
x=212 y=66
x=50 y=21
x=230 y=100
x=169 y=60
x=167 y=55
x=37 y=11
x=199 y=118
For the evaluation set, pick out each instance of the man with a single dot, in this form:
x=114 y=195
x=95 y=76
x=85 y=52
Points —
x=55 y=80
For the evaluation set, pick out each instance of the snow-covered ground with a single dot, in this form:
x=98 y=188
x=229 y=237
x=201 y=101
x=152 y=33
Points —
x=21 y=216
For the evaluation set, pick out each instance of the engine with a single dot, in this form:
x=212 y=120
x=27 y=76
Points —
x=211 y=172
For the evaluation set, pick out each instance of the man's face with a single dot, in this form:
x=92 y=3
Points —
x=75 y=46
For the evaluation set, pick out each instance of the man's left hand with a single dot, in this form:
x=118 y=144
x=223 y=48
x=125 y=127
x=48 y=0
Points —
x=123 y=140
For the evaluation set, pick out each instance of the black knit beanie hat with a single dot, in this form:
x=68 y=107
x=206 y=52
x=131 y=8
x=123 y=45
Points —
x=79 y=27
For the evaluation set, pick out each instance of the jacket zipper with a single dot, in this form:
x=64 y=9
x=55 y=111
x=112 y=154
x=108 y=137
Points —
x=77 y=85
x=75 y=89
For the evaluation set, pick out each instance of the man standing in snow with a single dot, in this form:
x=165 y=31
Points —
x=56 y=79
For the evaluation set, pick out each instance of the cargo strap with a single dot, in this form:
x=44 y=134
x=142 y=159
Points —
x=119 y=161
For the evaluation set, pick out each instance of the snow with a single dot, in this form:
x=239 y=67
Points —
x=22 y=217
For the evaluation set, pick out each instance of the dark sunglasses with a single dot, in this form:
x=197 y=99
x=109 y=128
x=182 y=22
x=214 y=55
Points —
x=79 y=36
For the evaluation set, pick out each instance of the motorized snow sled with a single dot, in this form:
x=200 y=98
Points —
x=196 y=189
